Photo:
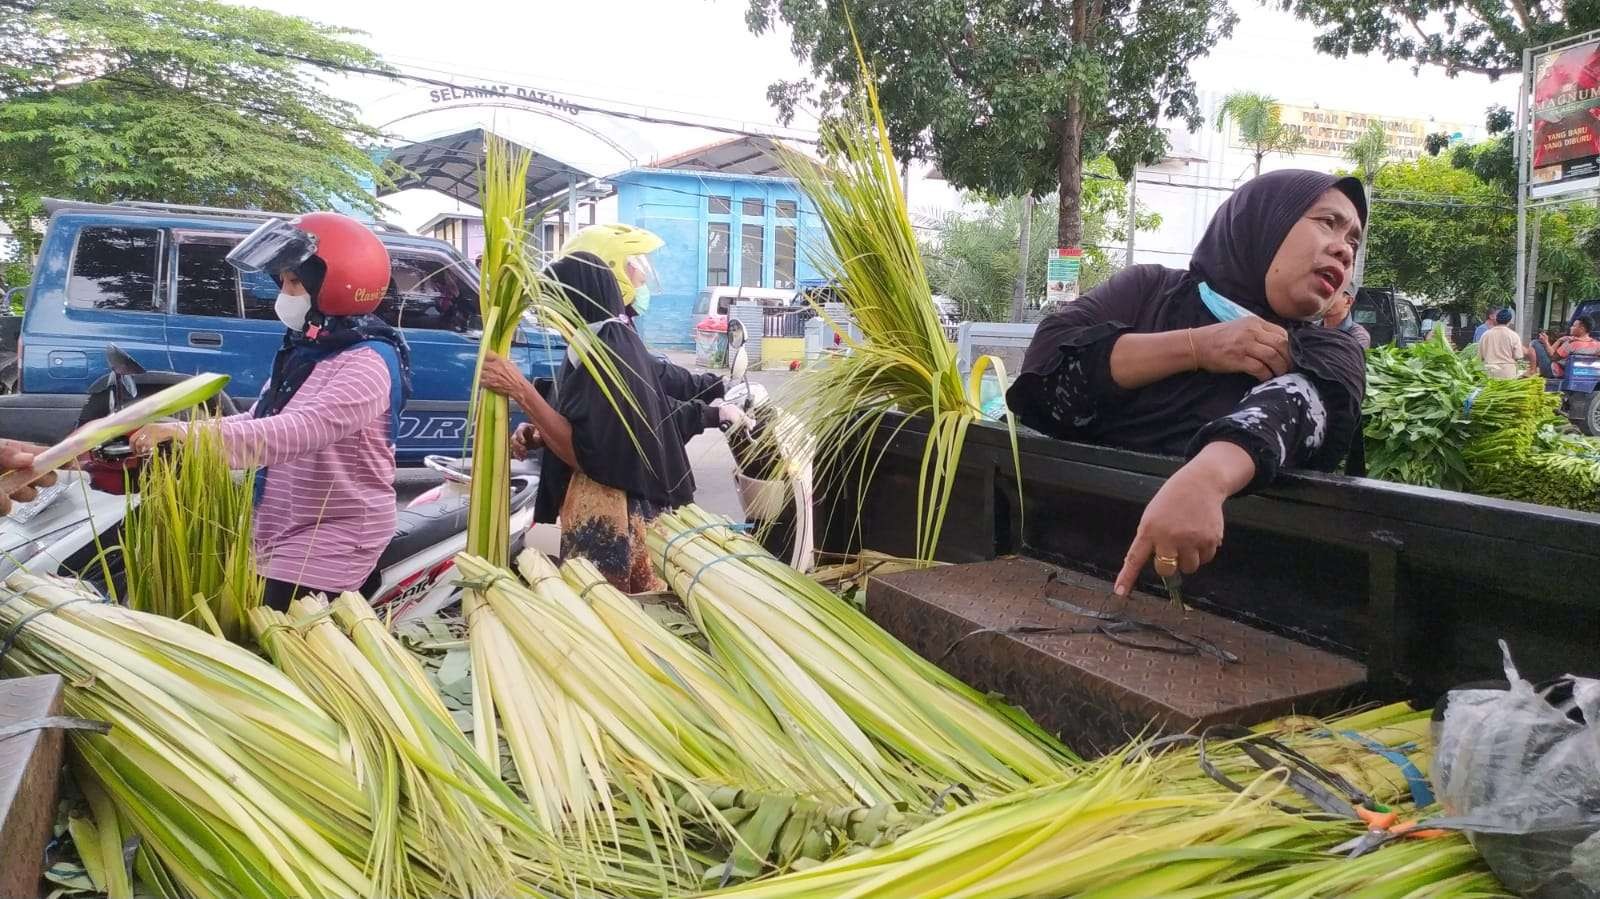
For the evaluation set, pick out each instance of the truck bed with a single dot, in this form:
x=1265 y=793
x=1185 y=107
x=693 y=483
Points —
x=1415 y=583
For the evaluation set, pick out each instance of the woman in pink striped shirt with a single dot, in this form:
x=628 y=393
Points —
x=322 y=432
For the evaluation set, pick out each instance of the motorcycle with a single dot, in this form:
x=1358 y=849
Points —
x=72 y=528
x=781 y=511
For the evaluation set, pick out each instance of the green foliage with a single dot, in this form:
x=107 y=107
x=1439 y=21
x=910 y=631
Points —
x=1260 y=123
x=1446 y=236
x=187 y=101
x=1370 y=150
x=973 y=257
x=985 y=88
x=1433 y=418
x=1456 y=35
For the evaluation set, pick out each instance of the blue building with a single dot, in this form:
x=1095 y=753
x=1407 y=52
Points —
x=730 y=216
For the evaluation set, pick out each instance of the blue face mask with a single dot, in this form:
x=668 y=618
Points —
x=1220 y=306
x=641 y=299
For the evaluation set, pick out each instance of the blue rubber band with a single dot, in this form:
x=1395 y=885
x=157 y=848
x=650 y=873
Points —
x=737 y=528
x=1421 y=792
x=1466 y=405
x=729 y=557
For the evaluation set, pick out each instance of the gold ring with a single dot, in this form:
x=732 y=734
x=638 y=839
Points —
x=1166 y=560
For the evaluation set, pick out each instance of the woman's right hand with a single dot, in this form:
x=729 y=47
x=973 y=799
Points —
x=1250 y=345
x=525 y=440
x=502 y=377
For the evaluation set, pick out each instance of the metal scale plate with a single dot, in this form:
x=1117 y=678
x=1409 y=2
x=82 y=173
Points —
x=1096 y=693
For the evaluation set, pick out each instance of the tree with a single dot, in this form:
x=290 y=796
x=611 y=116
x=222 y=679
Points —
x=186 y=101
x=1369 y=152
x=1009 y=97
x=1260 y=123
x=1436 y=143
x=1473 y=36
x=973 y=259
x=1442 y=233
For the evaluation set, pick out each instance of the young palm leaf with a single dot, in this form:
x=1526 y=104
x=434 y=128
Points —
x=903 y=363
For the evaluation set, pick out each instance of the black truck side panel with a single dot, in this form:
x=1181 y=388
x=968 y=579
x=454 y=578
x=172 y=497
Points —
x=1419 y=584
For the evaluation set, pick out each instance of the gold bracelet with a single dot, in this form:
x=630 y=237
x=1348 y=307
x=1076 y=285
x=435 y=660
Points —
x=1193 y=353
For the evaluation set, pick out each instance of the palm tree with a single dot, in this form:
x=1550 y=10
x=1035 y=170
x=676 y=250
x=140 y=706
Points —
x=1260 y=126
x=1370 y=153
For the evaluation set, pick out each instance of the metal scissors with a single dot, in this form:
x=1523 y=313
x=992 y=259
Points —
x=1383 y=827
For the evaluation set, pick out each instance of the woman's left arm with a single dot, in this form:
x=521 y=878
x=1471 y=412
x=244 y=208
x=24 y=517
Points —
x=1283 y=421
x=342 y=396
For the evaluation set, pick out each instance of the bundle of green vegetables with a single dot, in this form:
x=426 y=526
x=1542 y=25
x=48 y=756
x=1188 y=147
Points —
x=1434 y=418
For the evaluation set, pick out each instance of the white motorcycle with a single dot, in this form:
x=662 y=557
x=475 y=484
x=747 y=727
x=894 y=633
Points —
x=781 y=510
x=73 y=527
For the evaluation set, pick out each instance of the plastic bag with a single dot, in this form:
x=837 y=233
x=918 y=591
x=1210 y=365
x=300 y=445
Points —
x=1519 y=771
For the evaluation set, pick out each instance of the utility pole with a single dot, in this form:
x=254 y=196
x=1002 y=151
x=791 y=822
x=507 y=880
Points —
x=1133 y=213
x=1019 y=295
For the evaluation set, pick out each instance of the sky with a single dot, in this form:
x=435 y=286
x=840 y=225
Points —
x=696 y=59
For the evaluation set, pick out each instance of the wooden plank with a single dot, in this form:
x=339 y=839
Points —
x=30 y=770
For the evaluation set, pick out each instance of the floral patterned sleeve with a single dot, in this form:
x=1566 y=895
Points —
x=1281 y=422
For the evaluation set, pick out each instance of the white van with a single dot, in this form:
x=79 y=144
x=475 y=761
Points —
x=716 y=301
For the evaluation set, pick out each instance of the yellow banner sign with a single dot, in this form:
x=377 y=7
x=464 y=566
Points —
x=1330 y=132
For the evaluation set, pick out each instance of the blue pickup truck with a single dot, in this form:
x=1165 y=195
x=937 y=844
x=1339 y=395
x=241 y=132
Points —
x=154 y=280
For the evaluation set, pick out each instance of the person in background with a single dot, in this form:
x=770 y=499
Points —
x=1501 y=349
x=1225 y=363
x=608 y=470
x=1488 y=322
x=1579 y=339
x=323 y=430
x=14 y=455
x=1540 y=348
x=1341 y=317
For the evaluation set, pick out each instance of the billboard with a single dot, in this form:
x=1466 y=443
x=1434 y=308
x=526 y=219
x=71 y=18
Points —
x=1566 y=120
x=1330 y=132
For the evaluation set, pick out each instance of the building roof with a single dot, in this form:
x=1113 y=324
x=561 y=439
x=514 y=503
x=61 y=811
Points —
x=750 y=155
x=450 y=165
x=439 y=219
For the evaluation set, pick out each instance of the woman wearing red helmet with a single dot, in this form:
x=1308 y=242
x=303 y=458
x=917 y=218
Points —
x=322 y=431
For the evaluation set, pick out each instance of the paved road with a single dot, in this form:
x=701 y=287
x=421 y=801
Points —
x=708 y=456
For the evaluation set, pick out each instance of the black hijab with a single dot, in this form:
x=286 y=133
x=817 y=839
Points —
x=657 y=469
x=1233 y=257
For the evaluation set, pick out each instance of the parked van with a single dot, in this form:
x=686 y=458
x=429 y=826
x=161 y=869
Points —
x=154 y=279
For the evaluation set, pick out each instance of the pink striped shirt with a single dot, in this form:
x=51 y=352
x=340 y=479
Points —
x=329 y=506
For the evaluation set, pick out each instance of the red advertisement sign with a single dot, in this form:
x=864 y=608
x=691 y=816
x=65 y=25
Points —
x=1566 y=119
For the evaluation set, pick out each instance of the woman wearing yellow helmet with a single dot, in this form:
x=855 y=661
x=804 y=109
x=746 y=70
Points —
x=626 y=250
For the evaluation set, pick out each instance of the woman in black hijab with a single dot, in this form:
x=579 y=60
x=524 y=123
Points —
x=1224 y=363
x=606 y=474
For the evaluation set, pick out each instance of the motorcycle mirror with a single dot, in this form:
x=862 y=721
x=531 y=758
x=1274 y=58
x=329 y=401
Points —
x=121 y=363
x=736 y=335
x=740 y=365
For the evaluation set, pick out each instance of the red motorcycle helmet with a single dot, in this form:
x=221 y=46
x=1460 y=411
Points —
x=356 y=261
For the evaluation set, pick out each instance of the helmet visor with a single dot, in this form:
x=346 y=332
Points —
x=275 y=246
x=639 y=266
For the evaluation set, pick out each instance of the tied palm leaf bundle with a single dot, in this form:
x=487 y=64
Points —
x=233 y=778
x=892 y=724
x=808 y=812
x=512 y=291
x=903 y=361
x=613 y=740
x=1138 y=824
x=187 y=540
x=239 y=783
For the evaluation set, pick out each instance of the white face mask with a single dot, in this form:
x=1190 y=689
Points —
x=292 y=310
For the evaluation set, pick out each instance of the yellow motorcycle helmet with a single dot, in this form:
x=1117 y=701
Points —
x=618 y=246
